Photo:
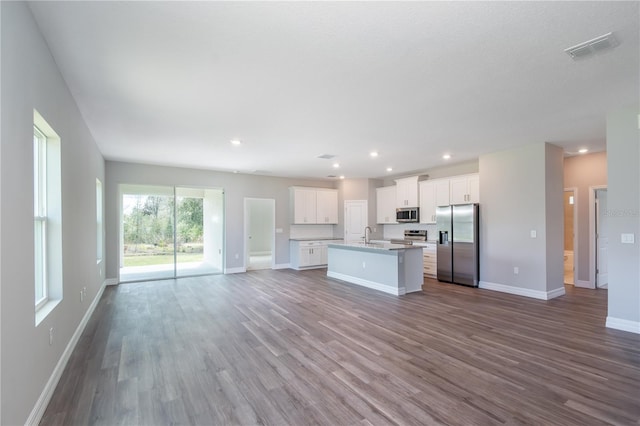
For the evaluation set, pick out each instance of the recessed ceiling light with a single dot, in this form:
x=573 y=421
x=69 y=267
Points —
x=373 y=154
x=236 y=142
x=389 y=169
x=336 y=165
x=446 y=156
x=583 y=150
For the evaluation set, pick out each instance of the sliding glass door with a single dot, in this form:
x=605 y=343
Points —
x=169 y=232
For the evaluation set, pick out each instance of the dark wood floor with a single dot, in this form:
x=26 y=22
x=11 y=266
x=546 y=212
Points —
x=286 y=347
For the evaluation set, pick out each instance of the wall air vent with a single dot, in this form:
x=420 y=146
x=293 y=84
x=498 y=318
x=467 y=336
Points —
x=326 y=156
x=597 y=45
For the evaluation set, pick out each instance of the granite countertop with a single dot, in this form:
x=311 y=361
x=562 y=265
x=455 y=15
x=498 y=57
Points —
x=374 y=246
x=316 y=239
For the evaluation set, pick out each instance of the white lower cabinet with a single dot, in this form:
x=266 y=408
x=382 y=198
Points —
x=309 y=254
x=429 y=264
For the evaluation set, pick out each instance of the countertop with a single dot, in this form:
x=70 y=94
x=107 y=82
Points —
x=374 y=246
x=315 y=239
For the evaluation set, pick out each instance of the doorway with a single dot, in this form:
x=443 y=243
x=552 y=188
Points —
x=355 y=220
x=259 y=233
x=569 y=235
x=601 y=239
x=169 y=232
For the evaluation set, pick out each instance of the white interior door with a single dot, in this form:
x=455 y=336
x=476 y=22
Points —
x=355 y=220
x=602 y=239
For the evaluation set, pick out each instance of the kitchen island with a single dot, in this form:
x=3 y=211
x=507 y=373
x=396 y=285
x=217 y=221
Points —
x=391 y=268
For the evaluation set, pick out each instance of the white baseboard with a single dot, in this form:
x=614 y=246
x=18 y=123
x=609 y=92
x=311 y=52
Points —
x=535 y=294
x=397 y=291
x=623 y=324
x=583 y=284
x=239 y=270
x=43 y=401
x=111 y=281
x=281 y=266
x=260 y=253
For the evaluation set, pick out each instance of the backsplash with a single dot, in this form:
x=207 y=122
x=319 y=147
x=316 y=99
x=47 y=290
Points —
x=311 y=231
x=397 y=231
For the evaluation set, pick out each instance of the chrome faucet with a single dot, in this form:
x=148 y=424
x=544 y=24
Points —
x=366 y=240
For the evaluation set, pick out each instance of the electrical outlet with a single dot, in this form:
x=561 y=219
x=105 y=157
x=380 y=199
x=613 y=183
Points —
x=627 y=238
x=533 y=233
x=516 y=270
x=364 y=265
x=51 y=336
x=237 y=256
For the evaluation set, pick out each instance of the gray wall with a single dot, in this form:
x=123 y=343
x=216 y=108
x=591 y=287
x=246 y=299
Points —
x=514 y=202
x=581 y=172
x=623 y=204
x=359 y=189
x=260 y=224
x=554 y=217
x=31 y=80
x=236 y=188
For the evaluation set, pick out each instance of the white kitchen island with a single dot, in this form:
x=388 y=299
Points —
x=392 y=268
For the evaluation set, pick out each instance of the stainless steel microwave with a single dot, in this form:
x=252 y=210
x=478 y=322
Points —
x=407 y=214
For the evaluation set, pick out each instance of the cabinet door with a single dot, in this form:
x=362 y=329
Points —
x=458 y=190
x=428 y=202
x=474 y=188
x=315 y=255
x=304 y=206
x=305 y=257
x=327 y=206
x=407 y=192
x=324 y=255
x=386 y=205
x=442 y=192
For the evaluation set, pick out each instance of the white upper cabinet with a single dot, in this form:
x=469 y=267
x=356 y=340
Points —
x=313 y=205
x=407 y=192
x=433 y=193
x=327 y=206
x=442 y=192
x=464 y=189
x=386 y=205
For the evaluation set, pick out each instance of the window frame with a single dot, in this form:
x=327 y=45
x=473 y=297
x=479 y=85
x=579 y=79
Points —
x=41 y=270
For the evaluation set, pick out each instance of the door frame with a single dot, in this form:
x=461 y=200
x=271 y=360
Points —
x=272 y=202
x=366 y=210
x=574 y=190
x=592 y=233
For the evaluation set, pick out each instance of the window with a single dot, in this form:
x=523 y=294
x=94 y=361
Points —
x=98 y=220
x=40 y=216
x=47 y=218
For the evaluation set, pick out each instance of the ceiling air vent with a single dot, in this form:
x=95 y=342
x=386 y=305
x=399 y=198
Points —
x=593 y=46
x=326 y=156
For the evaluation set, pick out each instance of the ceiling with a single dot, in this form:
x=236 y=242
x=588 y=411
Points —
x=172 y=83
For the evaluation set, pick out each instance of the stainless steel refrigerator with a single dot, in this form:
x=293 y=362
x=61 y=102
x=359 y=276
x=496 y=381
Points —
x=458 y=245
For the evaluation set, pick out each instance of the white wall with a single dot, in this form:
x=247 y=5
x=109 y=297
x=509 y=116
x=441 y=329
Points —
x=518 y=188
x=30 y=79
x=623 y=205
x=236 y=188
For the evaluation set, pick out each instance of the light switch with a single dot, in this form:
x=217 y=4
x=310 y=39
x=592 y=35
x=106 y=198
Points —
x=533 y=233
x=278 y=230
x=627 y=239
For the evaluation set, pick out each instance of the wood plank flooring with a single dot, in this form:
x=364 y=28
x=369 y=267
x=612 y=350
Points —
x=296 y=348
